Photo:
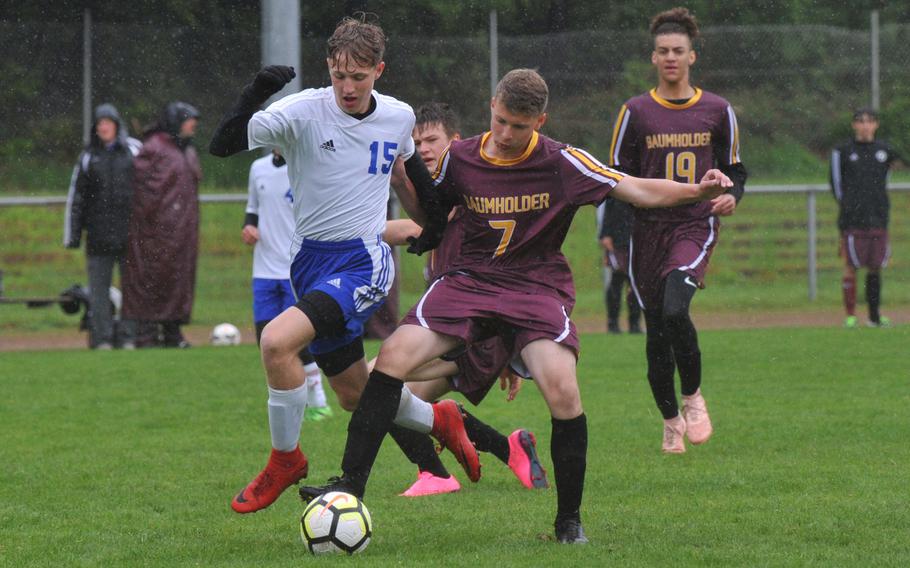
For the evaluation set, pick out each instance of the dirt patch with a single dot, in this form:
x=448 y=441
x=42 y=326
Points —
x=199 y=335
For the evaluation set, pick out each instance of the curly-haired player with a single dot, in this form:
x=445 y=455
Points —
x=676 y=131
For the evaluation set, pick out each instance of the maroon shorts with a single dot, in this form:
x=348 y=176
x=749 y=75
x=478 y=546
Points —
x=866 y=248
x=618 y=260
x=659 y=248
x=475 y=309
x=479 y=366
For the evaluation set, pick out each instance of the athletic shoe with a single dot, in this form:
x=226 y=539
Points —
x=882 y=322
x=570 y=531
x=342 y=484
x=698 y=423
x=674 y=430
x=850 y=322
x=103 y=347
x=523 y=460
x=448 y=429
x=635 y=329
x=613 y=327
x=429 y=484
x=283 y=470
x=317 y=413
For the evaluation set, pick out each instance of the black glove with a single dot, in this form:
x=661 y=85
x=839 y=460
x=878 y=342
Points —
x=428 y=240
x=270 y=80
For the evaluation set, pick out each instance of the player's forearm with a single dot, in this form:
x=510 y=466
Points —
x=649 y=193
x=738 y=175
x=429 y=199
x=407 y=194
x=231 y=136
x=397 y=232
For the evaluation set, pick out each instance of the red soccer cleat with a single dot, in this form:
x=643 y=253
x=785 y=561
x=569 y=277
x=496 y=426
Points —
x=283 y=470
x=448 y=429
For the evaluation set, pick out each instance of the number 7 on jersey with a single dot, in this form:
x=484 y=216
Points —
x=507 y=226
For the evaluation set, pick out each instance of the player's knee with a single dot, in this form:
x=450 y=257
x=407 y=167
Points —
x=563 y=398
x=348 y=398
x=676 y=316
x=393 y=355
x=274 y=347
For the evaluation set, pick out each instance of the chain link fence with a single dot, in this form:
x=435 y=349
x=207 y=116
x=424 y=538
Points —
x=793 y=87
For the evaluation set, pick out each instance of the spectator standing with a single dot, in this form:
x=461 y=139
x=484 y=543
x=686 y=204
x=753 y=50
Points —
x=98 y=204
x=164 y=230
x=859 y=180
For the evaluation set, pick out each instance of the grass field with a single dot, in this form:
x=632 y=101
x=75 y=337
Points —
x=130 y=459
x=760 y=263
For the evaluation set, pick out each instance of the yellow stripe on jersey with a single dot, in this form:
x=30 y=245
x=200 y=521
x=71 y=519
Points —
x=667 y=104
x=622 y=115
x=439 y=162
x=734 y=147
x=510 y=162
x=581 y=157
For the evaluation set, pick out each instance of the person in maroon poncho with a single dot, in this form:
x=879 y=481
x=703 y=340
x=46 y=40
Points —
x=164 y=230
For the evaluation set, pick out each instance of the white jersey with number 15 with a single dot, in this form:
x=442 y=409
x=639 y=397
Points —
x=339 y=166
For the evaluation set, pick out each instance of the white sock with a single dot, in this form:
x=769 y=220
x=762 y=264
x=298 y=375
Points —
x=414 y=413
x=285 y=416
x=315 y=393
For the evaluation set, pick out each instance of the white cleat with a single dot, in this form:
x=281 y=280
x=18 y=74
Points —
x=698 y=423
x=674 y=431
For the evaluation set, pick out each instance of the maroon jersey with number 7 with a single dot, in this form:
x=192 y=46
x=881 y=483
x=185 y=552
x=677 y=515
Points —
x=517 y=212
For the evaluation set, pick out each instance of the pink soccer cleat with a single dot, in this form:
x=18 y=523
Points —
x=674 y=430
x=429 y=484
x=523 y=460
x=698 y=423
x=283 y=470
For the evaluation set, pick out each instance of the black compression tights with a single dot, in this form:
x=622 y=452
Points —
x=673 y=342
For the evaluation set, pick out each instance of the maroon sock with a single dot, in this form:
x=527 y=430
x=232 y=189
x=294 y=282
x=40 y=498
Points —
x=849 y=286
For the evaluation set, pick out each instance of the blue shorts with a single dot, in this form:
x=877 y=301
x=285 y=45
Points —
x=357 y=274
x=271 y=296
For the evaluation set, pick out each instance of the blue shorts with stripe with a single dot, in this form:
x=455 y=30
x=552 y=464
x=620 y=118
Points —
x=357 y=274
x=271 y=296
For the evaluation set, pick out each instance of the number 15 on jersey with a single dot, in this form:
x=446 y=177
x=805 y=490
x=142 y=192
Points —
x=388 y=156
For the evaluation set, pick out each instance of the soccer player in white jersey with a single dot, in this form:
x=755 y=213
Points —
x=340 y=143
x=269 y=226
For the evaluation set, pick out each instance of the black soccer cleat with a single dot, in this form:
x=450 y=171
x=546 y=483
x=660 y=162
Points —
x=341 y=484
x=570 y=531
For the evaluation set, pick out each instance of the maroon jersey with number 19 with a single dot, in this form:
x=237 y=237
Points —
x=656 y=138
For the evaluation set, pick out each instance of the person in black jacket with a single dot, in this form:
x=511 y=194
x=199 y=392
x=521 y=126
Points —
x=859 y=179
x=615 y=229
x=99 y=202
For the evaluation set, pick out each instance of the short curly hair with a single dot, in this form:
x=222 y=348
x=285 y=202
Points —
x=675 y=21
x=357 y=40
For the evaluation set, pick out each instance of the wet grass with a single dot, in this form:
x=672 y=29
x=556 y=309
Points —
x=130 y=459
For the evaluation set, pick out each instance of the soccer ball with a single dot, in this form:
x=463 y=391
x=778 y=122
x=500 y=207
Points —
x=336 y=522
x=225 y=334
